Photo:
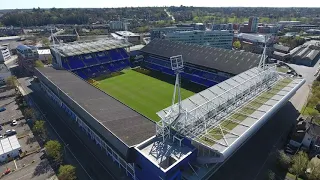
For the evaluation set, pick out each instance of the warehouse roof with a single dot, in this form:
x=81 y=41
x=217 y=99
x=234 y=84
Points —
x=229 y=61
x=281 y=48
x=126 y=124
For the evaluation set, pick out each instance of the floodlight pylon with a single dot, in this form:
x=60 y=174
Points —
x=177 y=67
x=263 y=55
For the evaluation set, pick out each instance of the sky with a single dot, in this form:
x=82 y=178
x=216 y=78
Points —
x=27 y=4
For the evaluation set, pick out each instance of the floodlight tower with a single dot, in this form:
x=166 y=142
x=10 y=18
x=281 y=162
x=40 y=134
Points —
x=263 y=56
x=177 y=67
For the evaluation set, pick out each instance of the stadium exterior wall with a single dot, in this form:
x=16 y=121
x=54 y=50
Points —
x=112 y=141
x=238 y=143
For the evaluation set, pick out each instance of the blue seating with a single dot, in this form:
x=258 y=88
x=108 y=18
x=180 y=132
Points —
x=124 y=53
x=115 y=55
x=89 y=60
x=103 y=57
x=75 y=62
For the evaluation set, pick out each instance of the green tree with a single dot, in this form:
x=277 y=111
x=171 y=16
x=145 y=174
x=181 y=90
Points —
x=38 y=63
x=299 y=163
x=53 y=150
x=283 y=159
x=12 y=81
x=67 y=172
x=49 y=60
x=237 y=44
x=314 y=167
x=39 y=128
x=45 y=41
x=29 y=113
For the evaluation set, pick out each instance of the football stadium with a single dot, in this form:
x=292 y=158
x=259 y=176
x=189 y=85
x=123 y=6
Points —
x=181 y=109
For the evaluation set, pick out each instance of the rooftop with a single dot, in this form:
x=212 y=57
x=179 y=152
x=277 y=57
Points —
x=213 y=119
x=44 y=51
x=126 y=33
x=230 y=61
x=126 y=124
x=9 y=144
x=85 y=47
x=8 y=38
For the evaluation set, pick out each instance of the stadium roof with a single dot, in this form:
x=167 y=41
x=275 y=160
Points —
x=229 y=61
x=203 y=121
x=85 y=47
x=124 y=123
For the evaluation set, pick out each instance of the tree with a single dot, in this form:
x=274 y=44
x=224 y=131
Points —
x=38 y=63
x=271 y=175
x=283 y=159
x=299 y=163
x=39 y=128
x=49 y=60
x=314 y=167
x=237 y=44
x=53 y=150
x=29 y=113
x=12 y=81
x=67 y=172
x=45 y=41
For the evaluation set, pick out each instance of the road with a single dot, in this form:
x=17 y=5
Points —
x=90 y=163
x=168 y=13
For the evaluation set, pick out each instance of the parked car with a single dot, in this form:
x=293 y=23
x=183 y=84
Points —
x=2 y=109
x=14 y=123
x=10 y=132
x=1 y=127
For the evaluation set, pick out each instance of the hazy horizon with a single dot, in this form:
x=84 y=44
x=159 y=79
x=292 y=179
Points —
x=29 y=4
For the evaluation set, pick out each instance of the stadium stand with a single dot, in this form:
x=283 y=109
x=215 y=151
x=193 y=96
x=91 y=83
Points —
x=204 y=65
x=91 y=59
x=97 y=109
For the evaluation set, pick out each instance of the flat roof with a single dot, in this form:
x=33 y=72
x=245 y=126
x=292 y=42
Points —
x=86 y=47
x=230 y=61
x=9 y=144
x=44 y=51
x=9 y=38
x=126 y=124
x=126 y=33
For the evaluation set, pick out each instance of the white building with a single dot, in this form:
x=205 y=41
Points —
x=44 y=54
x=4 y=53
x=216 y=38
x=132 y=37
x=117 y=25
x=9 y=147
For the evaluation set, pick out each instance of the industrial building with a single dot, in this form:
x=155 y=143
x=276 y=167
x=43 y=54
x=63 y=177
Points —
x=130 y=36
x=306 y=55
x=160 y=32
x=182 y=140
x=117 y=25
x=4 y=53
x=9 y=148
x=216 y=38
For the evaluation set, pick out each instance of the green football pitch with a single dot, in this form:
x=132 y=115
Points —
x=141 y=92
